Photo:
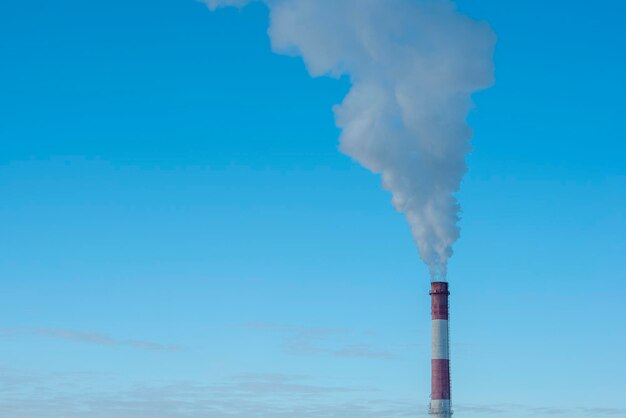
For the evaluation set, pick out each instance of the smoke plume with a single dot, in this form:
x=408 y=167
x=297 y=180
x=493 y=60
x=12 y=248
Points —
x=413 y=65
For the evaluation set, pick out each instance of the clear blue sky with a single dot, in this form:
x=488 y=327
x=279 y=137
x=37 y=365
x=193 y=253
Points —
x=181 y=238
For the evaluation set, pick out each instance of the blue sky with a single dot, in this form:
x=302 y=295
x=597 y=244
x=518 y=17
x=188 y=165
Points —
x=181 y=238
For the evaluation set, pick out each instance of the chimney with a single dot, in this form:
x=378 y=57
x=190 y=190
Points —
x=440 y=379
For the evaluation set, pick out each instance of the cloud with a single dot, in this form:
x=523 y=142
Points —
x=336 y=342
x=508 y=410
x=255 y=395
x=88 y=337
x=214 y=4
x=549 y=411
x=363 y=351
x=245 y=396
x=265 y=384
x=481 y=409
x=596 y=412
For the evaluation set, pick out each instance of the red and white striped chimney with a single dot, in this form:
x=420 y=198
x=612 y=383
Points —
x=440 y=379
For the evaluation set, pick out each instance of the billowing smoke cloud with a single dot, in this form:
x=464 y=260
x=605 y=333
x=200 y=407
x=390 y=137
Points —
x=413 y=65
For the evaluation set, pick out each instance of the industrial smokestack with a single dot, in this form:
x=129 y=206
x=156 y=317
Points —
x=413 y=66
x=440 y=406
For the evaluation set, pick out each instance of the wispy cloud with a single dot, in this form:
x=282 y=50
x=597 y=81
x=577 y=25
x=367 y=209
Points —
x=263 y=384
x=89 y=337
x=268 y=395
x=596 y=412
x=336 y=342
x=363 y=351
x=243 y=396
x=481 y=409
x=549 y=411
x=507 y=410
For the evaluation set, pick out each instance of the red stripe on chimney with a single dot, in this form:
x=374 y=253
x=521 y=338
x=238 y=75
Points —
x=440 y=379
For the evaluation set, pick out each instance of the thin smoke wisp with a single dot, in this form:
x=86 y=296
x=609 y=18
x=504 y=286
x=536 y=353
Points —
x=413 y=66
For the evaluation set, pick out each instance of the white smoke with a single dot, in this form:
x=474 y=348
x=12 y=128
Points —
x=414 y=65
